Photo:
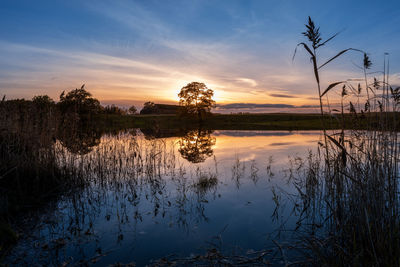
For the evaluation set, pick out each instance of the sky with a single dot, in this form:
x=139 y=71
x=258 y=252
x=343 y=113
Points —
x=130 y=52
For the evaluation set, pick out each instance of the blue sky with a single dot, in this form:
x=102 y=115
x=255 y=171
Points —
x=129 y=52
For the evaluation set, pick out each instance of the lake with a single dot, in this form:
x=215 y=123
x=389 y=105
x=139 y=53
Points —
x=148 y=196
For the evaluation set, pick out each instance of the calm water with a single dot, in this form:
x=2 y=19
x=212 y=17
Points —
x=147 y=198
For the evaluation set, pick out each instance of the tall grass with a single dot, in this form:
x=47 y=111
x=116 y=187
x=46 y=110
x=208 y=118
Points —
x=33 y=169
x=29 y=171
x=348 y=197
x=28 y=166
x=128 y=178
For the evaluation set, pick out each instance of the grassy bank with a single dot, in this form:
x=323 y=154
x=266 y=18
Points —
x=236 y=122
x=271 y=121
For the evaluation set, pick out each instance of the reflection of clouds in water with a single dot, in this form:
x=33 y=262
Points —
x=165 y=196
x=260 y=145
x=250 y=157
x=249 y=133
x=282 y=144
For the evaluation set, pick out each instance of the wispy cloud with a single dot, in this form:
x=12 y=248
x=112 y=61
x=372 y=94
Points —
x=247 y=81
x=255 y=106
x=283 y=96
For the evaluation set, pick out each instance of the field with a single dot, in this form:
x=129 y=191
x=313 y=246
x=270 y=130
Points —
x=268 y=121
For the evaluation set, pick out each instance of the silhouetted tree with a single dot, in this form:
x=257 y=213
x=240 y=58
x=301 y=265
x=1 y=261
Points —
x=196 y=100
x=149 y=108
x=132 y=110
x=79 y=101
x=196 y=145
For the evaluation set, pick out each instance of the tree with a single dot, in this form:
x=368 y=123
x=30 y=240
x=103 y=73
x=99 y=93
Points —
x=196 y=100
x=132 y=110
x=79 y=101
x=149 y=108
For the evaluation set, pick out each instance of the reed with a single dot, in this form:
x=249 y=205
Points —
x=348 y=197
x=128 y=173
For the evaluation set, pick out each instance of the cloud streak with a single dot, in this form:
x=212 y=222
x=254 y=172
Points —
x=255 y=106
x=283 y=96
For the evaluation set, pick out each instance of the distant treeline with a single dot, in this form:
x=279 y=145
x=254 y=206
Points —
x=31 y=132
x=152 y=108
x=81 y=102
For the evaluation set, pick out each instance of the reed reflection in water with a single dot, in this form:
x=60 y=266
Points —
x=147 y=197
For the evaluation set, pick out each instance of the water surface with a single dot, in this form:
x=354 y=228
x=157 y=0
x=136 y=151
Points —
x=153 y=195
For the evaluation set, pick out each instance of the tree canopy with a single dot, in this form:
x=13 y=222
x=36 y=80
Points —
x=196 y=100
x=132 y=110
x=79 y=101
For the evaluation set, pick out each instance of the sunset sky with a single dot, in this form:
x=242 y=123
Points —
x=129 y=52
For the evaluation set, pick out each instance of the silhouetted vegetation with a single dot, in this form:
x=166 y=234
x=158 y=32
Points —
x=78 y=104
x=196 y=100
x=149 y=108
x=113 y=109
x=132 y=110
x=152 y=108
x=348 y=197
x=30 y=134
x=43 y=102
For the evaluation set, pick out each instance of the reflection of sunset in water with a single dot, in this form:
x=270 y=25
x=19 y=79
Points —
x=203 y=147
x=262 y=139
x=155 y=186
x=260 y=145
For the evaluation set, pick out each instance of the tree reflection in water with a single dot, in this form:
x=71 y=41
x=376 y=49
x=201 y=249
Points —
x=196 y=145
x=130 y=182
x=79 y=139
